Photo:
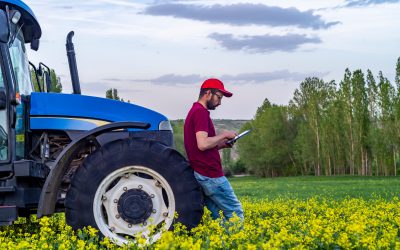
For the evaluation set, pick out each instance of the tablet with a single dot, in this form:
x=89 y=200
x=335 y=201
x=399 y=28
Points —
x=238 y=136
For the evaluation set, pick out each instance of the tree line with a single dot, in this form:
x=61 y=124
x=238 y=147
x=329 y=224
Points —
x=328 y=128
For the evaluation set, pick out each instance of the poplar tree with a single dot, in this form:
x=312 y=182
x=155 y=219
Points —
x=347 y=106
x=360 y=122
x=373 y=133
x=388 y=146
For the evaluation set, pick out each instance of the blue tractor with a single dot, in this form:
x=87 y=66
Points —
x=105 y=163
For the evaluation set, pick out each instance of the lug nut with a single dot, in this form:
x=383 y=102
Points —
x=144 y=223
x=117 y=216
x=103 y=198
x=125 y=189
x=152 y=195
x=129 y=225
x=140 y=186
x=165 y=214
x=115 y=201
x=126 y=176
x=154 y=211
x=112 y=228
x=158 y=184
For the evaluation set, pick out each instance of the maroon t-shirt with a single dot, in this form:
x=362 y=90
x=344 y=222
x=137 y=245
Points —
x=207 y=162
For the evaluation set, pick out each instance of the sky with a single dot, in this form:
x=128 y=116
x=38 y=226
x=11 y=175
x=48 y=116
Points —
x=157 y=53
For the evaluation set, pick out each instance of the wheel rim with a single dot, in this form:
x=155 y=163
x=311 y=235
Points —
x=131 y=200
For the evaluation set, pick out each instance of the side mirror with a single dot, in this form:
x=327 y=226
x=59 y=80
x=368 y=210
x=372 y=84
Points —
x=4 y=31
x=35 y=44
x=3 y=99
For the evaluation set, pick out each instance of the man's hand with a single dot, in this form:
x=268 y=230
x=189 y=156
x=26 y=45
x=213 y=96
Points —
x=227 y=136
x=204 y=142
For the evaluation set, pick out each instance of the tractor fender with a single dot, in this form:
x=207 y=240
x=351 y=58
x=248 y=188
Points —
x=48 y=196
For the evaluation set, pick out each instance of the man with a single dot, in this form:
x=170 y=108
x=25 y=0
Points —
x=202 y=145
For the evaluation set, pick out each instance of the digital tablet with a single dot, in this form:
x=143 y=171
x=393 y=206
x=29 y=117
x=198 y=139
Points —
x=238 y=136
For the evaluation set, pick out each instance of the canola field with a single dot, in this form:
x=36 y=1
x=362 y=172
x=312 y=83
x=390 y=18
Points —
x=280 y=213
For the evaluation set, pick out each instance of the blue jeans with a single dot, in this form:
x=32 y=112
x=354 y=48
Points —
x=219 y=195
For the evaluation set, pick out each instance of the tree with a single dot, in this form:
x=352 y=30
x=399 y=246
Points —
x=345 y=95
x=265 y=151
x=373 y=133
x=360 y=124
x=397 y=108
x=55 y=82
x=388 y=146
x=177 y=127
x=397 y=78
x=311 y=102
x=56 y=86
x=350 y=128
x=112 y=94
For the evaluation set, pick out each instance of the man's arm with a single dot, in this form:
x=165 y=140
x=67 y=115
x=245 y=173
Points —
x=205 y=142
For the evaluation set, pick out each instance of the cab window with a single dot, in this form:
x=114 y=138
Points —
x=3 y=125
x=20 y=65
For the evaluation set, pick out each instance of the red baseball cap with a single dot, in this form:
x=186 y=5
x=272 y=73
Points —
x=213 y=83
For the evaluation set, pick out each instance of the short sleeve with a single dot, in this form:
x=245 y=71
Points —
x=200 y=120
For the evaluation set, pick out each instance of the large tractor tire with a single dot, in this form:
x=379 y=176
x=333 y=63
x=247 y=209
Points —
x=133 y=188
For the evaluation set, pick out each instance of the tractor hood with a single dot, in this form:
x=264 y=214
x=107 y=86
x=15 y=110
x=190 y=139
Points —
x=79 y=112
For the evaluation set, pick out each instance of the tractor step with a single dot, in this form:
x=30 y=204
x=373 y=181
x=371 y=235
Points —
x=7 y=189
x=28 y=168
x=8 y=214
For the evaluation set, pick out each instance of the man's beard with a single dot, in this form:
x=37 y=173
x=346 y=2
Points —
x=210 y=105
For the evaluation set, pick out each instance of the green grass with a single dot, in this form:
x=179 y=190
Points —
x=335 y=187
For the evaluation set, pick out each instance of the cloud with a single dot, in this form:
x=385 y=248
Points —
x=239 y=79
x=168 y=79
x=263 y=77
x=177 y=79
x=360 y=3
x=263 y=43
x=242 y=14
x=259 y=78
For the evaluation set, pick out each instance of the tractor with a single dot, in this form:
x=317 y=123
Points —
x=104 y=163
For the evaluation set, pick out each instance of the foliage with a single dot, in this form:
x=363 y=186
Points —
x=329 y=129
x=112 y=94
x=177 y=127
x=265 y=151
x=237 y=167
x=55 y=82
x=306 y=187
x=283 y=224
x=271 y=222
x=47 y=233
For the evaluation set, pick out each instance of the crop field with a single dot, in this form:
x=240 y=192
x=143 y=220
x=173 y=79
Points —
x=280 y=213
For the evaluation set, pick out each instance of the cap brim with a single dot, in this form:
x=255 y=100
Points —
x=226 y=93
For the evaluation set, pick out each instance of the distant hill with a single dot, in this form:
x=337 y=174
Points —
x=220 y=124
x=228 y=124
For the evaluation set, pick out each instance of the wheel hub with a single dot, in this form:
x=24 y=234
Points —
x=127 y=202
x=135 y=206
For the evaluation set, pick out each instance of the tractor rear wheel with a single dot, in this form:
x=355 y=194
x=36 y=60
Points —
x=133 y=188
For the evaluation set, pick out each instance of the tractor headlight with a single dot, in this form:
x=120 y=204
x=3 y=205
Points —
x=165 y=125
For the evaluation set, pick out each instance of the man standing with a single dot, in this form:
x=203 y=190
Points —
x=202 y=145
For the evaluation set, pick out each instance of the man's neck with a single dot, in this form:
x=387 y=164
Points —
x=203 y=103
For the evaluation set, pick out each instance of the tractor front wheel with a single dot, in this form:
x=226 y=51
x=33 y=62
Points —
x=133 y=188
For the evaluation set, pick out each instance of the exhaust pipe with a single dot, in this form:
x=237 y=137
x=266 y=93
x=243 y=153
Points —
x=72 y=64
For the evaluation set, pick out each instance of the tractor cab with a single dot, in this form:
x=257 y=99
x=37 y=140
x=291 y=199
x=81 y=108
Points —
x=18 y=26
